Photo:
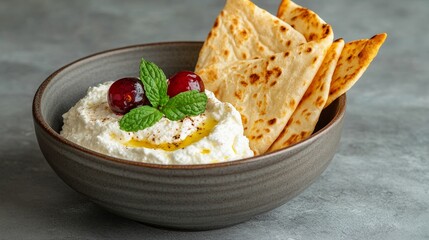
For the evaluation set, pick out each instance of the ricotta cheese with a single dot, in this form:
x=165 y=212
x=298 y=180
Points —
x=211 y=137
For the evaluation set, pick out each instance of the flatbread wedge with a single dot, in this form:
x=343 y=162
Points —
x=265 y=91
x=304 y=119
x=354 y=60
x=305 y=21
x=244 y=31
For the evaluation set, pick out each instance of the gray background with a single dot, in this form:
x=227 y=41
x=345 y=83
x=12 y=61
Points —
x=377 y=186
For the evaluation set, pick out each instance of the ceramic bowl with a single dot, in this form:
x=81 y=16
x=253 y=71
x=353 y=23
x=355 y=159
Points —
x=196 y=197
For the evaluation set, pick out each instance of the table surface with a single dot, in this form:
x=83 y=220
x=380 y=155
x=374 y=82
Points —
x=377 y=186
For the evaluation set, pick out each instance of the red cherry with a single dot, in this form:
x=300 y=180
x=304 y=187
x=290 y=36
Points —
x=125 y=94
x=184 y=81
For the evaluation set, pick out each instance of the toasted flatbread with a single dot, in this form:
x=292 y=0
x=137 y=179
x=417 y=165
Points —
x=244 y=31
x=265 y=91
x=354 y=60
x=305 y=21
x=304 y=119
x=262 y=65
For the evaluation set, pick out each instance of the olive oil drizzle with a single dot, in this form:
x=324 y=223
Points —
x=202 y=131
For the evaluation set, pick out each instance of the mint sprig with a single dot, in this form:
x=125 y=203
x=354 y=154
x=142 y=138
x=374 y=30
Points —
x=154 y=82
x=190 y=103
x=140 y=118
x=184 y=104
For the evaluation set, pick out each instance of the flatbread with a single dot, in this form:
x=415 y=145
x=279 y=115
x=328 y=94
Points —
x=354 y=60
x=305 y=21
x=304 y=119
x=244 y=31
x=265 y=91
x=262 y=65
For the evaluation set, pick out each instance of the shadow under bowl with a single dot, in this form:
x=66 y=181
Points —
x=192 y=197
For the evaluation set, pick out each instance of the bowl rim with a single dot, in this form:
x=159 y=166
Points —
x=39 y=120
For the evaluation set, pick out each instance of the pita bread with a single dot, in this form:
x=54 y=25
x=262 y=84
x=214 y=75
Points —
x=304 y=119
x=265 y=91
x=305 y=21
x=354 y=60
x=262 y=65
x=244 y=31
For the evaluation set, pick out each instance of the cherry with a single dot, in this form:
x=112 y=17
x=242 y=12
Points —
x=184 y=81
x=125 y=94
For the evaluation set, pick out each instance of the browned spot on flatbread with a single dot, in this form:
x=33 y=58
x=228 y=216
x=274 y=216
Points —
x=268 y=74
x=288 y=43
x=286 y=54
x=259 y=136
x=273 y=83
x=319 y=101
x=307 y=114
x=272 y=121
x=293 y=138
x=272 y=58
x=243 y=83
x=314 y=59
x=282 y=28
x=235 y=21
x=244 y=119
x=216 y=23
x=244 y=34
x=239 y=94
x=253 y=78
x=244 y=55
x=277 y=71
x=327 y=29
x=226 y=53
x=292 y=104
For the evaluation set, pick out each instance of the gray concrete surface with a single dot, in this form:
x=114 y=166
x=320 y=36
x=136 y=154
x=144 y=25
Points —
x=377 y=186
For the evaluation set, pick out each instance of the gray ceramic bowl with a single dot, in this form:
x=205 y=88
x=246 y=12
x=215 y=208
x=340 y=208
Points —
x=193 y=197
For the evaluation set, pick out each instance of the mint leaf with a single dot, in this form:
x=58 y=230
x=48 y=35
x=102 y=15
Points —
x=140 y=118
x=189 y=103
x=154 y=82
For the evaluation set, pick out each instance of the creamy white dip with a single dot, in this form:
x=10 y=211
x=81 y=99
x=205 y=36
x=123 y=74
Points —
x=214 y=136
